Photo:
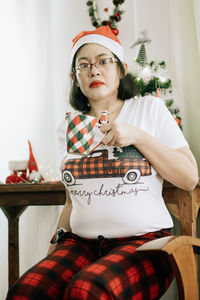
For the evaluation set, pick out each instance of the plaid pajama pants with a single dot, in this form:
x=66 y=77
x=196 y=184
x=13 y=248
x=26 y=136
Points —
x=96 y=269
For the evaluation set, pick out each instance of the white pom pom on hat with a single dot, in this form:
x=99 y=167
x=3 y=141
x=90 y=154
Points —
x=103 y=36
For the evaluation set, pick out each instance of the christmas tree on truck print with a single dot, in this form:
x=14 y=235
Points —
x=128 y=163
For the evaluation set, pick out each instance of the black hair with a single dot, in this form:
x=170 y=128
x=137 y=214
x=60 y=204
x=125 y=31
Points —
x=126 y=90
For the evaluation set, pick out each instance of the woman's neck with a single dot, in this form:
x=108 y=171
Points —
x=113 y=108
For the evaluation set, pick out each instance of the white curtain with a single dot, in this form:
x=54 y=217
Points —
x=196 y=7
x=185 y=65
x=34 y=76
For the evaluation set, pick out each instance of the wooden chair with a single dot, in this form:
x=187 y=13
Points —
x=181 y=250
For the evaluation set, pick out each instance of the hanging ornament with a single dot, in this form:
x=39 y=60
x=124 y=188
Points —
x=115 y=31
x=158 y=93
x=142 y=58
x=142 y=40
x=111 y=19
x=178 y=121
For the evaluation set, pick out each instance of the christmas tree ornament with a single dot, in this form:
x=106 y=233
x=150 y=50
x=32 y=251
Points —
x=115 y=31
x=142 y=40
x=111 y=19
x=158 y=93
x=142 y=58
x=178 y=121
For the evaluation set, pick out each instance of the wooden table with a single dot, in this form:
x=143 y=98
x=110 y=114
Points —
x=15 y=198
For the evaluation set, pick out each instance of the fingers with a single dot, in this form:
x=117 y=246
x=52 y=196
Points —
x=119 y=135
x=105 y=128
x=109 y=139
x=115 y=135
x=111 y=134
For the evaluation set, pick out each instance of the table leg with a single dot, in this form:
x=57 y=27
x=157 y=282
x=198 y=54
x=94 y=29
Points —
x=13 y=214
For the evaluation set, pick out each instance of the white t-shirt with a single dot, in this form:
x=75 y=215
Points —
x=115 y=191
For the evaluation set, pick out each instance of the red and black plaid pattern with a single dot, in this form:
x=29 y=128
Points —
x=92 y=269
x=98 y=165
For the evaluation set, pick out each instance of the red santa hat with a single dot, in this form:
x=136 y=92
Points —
x=103 y=36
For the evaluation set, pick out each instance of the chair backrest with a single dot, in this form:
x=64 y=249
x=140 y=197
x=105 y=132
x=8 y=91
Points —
x=184 y=206
x=181 y=250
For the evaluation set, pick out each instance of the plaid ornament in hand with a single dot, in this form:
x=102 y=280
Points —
x=83 y=133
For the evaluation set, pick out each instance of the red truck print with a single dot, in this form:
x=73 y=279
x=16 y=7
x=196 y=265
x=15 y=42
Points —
x=97 y=165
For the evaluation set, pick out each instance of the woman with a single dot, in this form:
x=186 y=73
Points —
x=114 y=201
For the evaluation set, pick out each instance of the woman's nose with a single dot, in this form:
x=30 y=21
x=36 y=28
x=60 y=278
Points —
x=94 y=70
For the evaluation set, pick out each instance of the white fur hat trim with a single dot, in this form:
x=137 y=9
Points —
x=104 y=41
x=17 y=165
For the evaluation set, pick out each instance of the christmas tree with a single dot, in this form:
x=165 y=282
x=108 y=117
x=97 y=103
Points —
x=152 y=79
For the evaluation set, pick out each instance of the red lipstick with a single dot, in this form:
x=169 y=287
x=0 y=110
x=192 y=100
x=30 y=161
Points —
x=96 y=83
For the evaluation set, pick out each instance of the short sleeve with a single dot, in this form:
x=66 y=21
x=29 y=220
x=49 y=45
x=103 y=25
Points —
x=167 y=129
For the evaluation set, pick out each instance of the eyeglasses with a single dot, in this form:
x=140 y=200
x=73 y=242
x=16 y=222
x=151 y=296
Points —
x=101 y=64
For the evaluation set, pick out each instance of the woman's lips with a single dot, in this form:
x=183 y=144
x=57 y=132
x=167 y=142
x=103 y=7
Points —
x=96 y=83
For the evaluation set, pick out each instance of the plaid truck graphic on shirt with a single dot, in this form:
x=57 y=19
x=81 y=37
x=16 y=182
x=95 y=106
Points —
x=129 y=164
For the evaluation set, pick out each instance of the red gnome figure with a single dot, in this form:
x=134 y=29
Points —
x=34 y=175
x=24 y=171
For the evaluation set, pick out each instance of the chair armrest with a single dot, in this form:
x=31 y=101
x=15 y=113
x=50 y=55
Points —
x=180 y=251
x=156 y=244
x=170 y=244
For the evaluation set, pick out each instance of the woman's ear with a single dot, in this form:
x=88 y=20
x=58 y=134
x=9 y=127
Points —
x=125 y=68
x=73 y=77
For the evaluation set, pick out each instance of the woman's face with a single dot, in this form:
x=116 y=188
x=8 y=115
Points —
x=97 y=83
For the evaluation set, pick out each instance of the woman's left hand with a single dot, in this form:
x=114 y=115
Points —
x=119 y=134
